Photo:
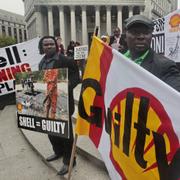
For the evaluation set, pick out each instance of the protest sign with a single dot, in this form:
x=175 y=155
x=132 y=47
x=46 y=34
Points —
x=166 y=36
x=21 y=57
x=129 y=119
x=42 y=103
x=80 y=52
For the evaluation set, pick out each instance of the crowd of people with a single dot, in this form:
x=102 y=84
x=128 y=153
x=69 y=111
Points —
x=69 y=52
x=116 y=41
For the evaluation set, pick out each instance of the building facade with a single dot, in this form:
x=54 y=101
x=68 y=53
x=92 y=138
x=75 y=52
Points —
x=174 y=4
x=77 y=19
x=13 y=25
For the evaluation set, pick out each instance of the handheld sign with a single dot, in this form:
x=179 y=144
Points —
x=15 y=59
x=42 y=101
x=81 y=52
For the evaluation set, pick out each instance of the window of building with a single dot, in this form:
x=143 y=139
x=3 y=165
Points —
x=20 y=35
x=25 y=37
x=136 y=10
x=3 y=30
x=9 y=31
x=15 y=33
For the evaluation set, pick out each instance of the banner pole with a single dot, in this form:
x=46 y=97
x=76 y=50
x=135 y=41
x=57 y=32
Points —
x=96 y=31
x=72 y=157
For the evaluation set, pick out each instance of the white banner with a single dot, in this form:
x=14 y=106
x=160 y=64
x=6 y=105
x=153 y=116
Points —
x=136 y=90
x=158 y=39
x=172 y=35
x=131 y=116
x=21 y=57
x=166 y=36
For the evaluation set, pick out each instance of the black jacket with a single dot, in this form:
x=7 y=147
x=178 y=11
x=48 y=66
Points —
x=61 y=61
x=163 y=68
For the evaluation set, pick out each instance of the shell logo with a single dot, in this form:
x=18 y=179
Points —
x=19 y=107
x=143 y=142
x=175 y=20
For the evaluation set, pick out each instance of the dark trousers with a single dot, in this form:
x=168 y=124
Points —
x=63 y=146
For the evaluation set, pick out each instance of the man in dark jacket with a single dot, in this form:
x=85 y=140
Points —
x=138 y=36
x=51 y=60
x=117 y=41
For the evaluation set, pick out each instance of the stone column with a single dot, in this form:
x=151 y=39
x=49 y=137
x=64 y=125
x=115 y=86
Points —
x=17 y=30
x=73 y=23
x=141 y=10
x=39 y=21
x=84 y=25
x=130 y=11
x=6 y=28
x=12 y=30
x=22 y=30
x=97 y=18
x=61 y=23
x=0 y=27
x=119 y=17
x=147 y=10
x=108 y=19
x=50 y=21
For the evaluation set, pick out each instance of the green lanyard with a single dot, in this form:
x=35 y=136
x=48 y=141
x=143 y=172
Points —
x=138 y=60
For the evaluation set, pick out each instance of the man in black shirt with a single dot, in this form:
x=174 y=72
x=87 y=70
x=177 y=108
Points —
x=51 y=60
x=138 y=36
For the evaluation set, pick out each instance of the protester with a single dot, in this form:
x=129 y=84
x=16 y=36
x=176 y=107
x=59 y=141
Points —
x=70 y=49
x=138 y=37
x=117 y=41
x=60 y=45
x=52 y=59
x=105 y=39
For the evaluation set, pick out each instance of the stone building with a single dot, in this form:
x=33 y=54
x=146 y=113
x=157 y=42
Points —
x=13 y=25
x=174 y=4
x=76 y=19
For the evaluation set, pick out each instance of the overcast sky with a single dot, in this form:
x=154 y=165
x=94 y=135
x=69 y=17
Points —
x=17 y=6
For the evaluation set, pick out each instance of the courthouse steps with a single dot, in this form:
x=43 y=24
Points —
x=87 y=168
x=17 y=159
x=89 y=164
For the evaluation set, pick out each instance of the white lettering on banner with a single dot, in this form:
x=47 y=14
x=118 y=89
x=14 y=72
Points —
x=158 y=43
x=159 y=25
x=22 y=57
x=158 y=39
x=26 y=122
x=53 y=126
x=80 y=52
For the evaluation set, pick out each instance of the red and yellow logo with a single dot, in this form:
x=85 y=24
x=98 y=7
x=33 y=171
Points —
x=175 y=20
x=19 y=107
x=143 y=142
